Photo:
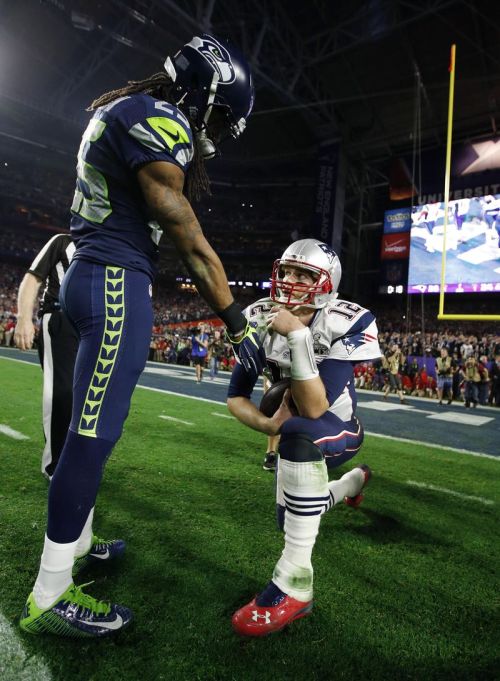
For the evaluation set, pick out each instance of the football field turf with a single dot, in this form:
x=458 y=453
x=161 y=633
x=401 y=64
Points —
x=406 y=587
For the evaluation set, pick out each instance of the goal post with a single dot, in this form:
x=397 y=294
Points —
x=441 y=312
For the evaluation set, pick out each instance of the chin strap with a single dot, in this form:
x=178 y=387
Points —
x=207 y=148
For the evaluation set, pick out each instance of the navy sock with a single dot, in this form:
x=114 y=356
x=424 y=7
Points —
x=270 y=597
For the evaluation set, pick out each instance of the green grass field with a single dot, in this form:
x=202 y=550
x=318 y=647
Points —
x=404 y=587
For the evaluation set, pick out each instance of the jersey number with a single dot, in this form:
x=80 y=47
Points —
x=346 y=309
x=91 y=195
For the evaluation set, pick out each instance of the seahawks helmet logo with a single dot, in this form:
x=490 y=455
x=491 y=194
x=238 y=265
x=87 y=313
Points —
x=216 y=55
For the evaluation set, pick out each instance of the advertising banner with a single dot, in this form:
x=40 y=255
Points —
x=397 y=220
x=395 y=246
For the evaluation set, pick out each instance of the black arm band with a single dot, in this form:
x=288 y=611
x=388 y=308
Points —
x=233 y=318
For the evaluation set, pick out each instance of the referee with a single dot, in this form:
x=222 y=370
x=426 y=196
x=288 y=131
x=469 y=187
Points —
x=57 y=342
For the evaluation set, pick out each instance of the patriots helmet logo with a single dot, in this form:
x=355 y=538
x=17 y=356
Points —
x=216 y=55
x=328 y=251
x=351 y=343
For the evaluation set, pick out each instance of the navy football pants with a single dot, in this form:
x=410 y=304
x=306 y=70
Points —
x=338 y=440
x=111 y=309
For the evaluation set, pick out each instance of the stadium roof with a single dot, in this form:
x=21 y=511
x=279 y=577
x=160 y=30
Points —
x=324 y=71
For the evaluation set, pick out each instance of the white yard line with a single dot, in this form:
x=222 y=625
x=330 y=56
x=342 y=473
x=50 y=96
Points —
x=172 y=392
x=10 y=432
x=435 y=488
x=222 y=416
x=433 y=445
x=17 y=664
x=172 y=418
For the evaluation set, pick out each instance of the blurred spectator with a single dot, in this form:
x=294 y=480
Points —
x=392 y=362
x=215 y=353
x=484 y=383
x=472 y=381
x=495 y=382
x=444 y=371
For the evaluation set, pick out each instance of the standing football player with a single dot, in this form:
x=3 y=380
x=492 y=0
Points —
x=140 y=160
x=316 y=339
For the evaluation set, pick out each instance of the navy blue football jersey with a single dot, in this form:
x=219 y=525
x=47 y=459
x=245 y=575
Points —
x=110 y=223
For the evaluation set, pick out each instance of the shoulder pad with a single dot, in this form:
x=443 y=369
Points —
x=158 y=126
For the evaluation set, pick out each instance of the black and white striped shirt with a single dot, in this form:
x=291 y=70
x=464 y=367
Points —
x=50 y=265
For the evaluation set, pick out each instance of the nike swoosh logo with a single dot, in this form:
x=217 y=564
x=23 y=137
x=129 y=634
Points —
x=102 y=556
x=117 y=623
x=176 y=137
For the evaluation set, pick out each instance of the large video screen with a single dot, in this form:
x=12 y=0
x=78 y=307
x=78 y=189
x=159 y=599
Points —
x=472 y=246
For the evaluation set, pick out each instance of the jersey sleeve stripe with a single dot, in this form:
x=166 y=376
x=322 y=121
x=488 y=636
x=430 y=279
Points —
x=70 y=251
x=43 y=252
x=146 y=138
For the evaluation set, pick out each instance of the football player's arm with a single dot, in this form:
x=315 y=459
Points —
x=162 y=185
x=242 y=408
x=308 y=389
x=26 y=302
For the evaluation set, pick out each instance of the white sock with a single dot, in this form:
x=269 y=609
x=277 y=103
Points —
x=349 y=485
x=85 y=541
x=308 y=482
x=54 y=575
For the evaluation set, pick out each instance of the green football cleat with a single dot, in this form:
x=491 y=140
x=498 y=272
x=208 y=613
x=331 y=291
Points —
x=75 y=614
x=100 y=550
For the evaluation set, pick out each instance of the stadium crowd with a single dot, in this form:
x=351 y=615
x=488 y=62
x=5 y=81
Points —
x=475 y=357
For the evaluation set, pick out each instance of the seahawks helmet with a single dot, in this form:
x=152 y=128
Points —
x=315 y=257
x=213 y=86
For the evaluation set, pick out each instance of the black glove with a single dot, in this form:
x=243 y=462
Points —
x=248 y=350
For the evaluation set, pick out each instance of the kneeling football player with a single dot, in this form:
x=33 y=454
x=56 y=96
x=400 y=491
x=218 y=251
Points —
x=316 y=339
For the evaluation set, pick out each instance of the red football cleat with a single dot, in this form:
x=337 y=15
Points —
x=260 y=620
x=356 y=501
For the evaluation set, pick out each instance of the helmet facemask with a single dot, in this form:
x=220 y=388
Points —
x=299 y=294
x=218 y=125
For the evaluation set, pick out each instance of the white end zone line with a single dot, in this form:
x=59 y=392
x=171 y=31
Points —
x=17 y=663
x=435 y=488
x=10 y=432
x=223 y=416
x=433 y=445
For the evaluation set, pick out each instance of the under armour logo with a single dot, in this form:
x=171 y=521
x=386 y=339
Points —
x=256 y=616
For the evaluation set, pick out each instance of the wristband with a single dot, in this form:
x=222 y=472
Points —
x=303 y=363
x=234 y=319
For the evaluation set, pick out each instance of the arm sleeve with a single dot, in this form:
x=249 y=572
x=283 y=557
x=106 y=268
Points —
x=335 y=374
x=48 y=258
x=240 y=385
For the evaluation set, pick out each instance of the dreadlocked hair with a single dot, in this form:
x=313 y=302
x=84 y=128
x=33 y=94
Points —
x=159 y=85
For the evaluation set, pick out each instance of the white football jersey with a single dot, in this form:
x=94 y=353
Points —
x=342 y=330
